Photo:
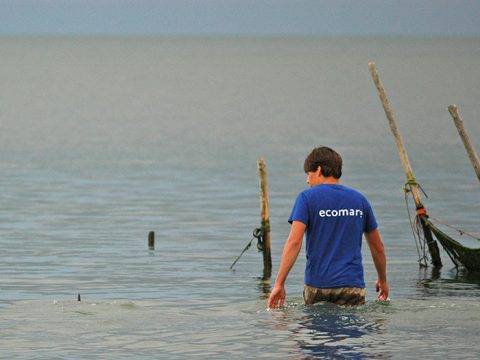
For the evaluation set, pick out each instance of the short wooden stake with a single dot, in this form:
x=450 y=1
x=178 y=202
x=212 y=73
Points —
x=472 y=154
x=151 y=240
x=265 y=219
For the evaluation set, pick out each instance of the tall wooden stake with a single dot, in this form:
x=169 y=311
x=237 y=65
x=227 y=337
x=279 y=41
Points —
x=472 y=154
x=265 y=218
x=431 y=243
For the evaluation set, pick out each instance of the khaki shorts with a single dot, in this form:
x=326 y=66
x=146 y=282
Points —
x=339 y=296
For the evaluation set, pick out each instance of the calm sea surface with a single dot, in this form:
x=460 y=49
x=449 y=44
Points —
x=104 y=140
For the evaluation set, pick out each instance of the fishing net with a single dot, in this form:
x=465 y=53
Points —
x=423 y=225
x=470 y=258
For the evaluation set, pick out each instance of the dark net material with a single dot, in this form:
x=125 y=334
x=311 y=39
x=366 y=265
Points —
x=470 y=258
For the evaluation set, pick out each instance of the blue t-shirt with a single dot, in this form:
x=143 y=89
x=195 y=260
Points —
x=336 y=218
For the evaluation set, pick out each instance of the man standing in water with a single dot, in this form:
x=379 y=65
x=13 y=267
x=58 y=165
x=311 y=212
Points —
x=334 y=219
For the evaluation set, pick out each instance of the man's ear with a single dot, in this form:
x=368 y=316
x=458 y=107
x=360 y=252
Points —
x=319 y=171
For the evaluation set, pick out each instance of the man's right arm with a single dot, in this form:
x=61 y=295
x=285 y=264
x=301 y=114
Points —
x=379 y=259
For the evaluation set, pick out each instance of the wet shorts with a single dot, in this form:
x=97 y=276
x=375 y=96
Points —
x=339 y=296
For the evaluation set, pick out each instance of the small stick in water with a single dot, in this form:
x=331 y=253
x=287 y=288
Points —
x=151 y=240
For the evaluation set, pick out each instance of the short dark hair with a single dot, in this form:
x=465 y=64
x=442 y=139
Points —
x=328 y=159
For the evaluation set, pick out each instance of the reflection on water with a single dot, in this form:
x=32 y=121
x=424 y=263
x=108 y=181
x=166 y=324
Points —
x=331 y=331
x=326 y=330
x=265 y=288
x=454 y=282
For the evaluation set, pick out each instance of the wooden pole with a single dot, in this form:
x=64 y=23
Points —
x=472 y=154
x=432 y=245
x=265 y=219
x=396 y=133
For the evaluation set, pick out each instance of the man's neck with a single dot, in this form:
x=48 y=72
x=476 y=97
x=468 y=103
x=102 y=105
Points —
x=329 y=180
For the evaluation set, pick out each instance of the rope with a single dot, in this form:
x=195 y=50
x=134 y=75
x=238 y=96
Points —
x=259 y=234
x=411 y=181
x=460 y=231
x=417 y=231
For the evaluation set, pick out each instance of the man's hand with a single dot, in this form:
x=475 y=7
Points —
x=277 y=297
x=381 y=287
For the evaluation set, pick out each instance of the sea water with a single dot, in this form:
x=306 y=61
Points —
x=105 y=139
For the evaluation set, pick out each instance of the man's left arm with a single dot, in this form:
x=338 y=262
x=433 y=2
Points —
x=377 y=250
x=291 y=249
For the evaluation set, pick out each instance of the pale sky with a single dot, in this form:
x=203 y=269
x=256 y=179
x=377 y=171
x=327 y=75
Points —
x=241 y=17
